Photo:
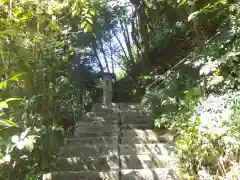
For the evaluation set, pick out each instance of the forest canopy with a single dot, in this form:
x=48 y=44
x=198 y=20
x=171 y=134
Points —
x=178 y=55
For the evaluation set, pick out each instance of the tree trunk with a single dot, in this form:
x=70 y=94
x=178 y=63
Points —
x=94 y=47
x=141 y=8
x=104 y=56
x=120 y=43
x=127 y=40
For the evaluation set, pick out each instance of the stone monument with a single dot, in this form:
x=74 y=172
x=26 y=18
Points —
x=107 y=88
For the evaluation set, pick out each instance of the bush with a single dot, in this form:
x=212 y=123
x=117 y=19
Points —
x=199 y=98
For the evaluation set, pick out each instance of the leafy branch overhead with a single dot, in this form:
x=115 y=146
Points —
x=180 y=57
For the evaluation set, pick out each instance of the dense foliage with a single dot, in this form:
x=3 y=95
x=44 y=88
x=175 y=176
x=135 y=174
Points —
x=199 y=98
x=44 y=83
x=183 y=54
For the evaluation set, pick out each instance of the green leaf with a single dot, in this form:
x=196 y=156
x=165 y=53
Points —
x=53 y=26
x=182 y=2
x=74 y=12
x=147 y=77
x=3 y=36
x=197 y=91
x=192 y=16
x=10 y=31
x=88 y=28
x=83 y=24
x=13 y=99
x=3 y=84
x=60 y=128
x=89 y=20
x=24 y=134
x=3 y=104
x=8 y=123
x=17 y=76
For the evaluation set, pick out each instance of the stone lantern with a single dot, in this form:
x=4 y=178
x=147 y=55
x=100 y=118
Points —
x=107 y=87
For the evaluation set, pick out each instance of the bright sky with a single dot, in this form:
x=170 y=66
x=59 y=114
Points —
x=120 y=36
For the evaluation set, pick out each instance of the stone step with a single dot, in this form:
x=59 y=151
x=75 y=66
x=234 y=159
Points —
x=103 y=113
x=89 y=150
x=114 y=107
x=144 y=161
x=96 y=123
x=96 y=133
x=96 y=128
x=95 y=163
x=92 y=140
x=99 y=117
x=145 y=149
x=141 y=133
x=137 y=126
x=133 y=114
x=149 y=174
x=82 y=175
x=101 y=106
x=137 y=120
x=131 y=106
x=146 y=139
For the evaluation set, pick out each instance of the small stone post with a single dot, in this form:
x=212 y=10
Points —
x=107 y=88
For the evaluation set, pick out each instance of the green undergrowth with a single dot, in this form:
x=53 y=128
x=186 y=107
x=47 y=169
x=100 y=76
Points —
x=199 y=99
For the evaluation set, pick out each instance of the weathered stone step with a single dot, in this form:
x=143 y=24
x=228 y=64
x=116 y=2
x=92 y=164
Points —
x=131 y=106
x=96 y=123
x=144 y=161
x=99 y=117
x=96 y=133
x=144 y=149
x=134 y=114
x=101 y=106
x=113 y=107
x=91 y=163
x=146 y=139
x=103 y=113
x=89 y=150
x=96 y=128
x=137 y=120
x=149 y=174
x=92 y=140
x=137 y=126
x=82 y=175
x=141 y=133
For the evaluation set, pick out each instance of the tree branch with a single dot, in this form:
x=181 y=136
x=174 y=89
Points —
x=125 y=54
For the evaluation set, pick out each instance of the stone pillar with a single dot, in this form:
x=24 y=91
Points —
x=107 y=89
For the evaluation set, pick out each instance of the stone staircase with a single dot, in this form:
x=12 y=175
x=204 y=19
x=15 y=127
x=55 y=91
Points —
x=122 y=145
